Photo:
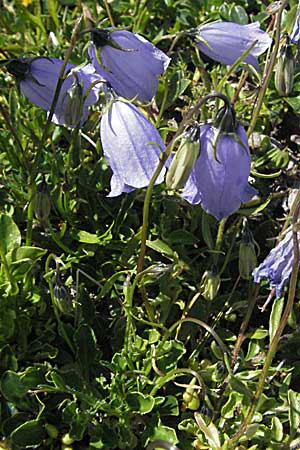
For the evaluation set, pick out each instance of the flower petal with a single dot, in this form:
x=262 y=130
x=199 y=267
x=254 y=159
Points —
x=226 y=41
x=126 y=135
x=220 y=184
x=130 y=73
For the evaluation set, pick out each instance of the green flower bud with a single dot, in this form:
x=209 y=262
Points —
x=191 y=397
x=210 y=284
x=184 y=159
x=247 y=254
x=73 y=103
x=284 y=71
x=42 y=202
x=51 y=430
x=66 y=439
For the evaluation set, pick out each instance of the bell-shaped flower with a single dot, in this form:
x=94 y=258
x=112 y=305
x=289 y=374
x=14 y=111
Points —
x=129 y=62
x=131 y=145
x=295 y=34
x=38 y=79
x=277 y=267
x=226 y=41
x=219 y=179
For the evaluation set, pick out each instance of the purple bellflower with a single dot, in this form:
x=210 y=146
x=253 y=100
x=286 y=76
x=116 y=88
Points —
x=130 y=63
x=219 y=179
x=129 y=144
x=38 y=79
x=277 y=266
x=295 y=35
x=226 y=41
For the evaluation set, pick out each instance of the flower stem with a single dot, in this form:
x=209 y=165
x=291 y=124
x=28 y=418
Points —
x=163 y=158
x=244 y=326
x=46 y=131
x=277 y=335
x=108 y=11
x=268 y=72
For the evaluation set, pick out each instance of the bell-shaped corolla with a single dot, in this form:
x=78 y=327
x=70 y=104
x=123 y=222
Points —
x=129 y=62
x=226 y=41
x=295 y=34
x=38 y=80
x=131 y=145
x=219 y=180
x=277 y=267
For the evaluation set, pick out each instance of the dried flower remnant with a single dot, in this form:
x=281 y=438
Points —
x=131 y=145
x=129 y=62
x=226 y=41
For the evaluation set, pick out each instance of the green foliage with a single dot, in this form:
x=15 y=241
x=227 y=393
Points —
x=92 y=354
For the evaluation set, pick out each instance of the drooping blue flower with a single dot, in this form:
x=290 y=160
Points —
x=295 y=34
x=128 y=138
x=277 y=266
x=130 y=63
x=226 y=41
x=219 y=179
x=38 y=79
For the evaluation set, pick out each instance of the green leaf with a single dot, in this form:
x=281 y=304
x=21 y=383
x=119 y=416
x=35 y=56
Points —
x=29 y=434
x=275 y=316
x=162 y=248
x=277 y=429
x=10 y=236
x=168 y=354
x=238 y=14
x=12 y=387
x=294 y=411
x=85 y=343
x=140 y=403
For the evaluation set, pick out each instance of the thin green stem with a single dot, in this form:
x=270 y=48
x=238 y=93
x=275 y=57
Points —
x=244 y=325
x=163 y=158
x=268 y=72
x=219 y=239
x=108 y=11
x=30 y=213
x=277 y=335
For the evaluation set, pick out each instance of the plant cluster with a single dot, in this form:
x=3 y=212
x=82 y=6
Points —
x=149 y=225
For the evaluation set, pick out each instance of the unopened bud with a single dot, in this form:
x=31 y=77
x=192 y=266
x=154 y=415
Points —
x=210 y=284
x=191 y=396
x=184 y=159
x=61 y=297
x=247 y=255
x=284 y=71
x=42 y=202
x=73 y=103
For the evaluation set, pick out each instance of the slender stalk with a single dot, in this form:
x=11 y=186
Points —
x=268 y=72
x=40 y=148
x=277 y=335
x=244 y=326
x=108 y=11
x=219 y=239
x=163 y=158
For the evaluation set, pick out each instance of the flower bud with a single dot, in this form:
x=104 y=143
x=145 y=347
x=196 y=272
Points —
x=191 y=397
x=61 y=297
x=210 y=284
x=247 y=255
x=284 y=71
x=184 y=159
x=73 y=103
x=42 y=202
